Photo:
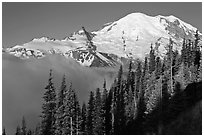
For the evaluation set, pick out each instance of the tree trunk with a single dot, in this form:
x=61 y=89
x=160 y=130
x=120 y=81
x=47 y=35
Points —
x=71 y=125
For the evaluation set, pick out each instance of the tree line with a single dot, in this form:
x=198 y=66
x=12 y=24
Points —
x=127 y=106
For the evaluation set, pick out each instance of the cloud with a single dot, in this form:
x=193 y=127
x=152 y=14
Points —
x=23 y=83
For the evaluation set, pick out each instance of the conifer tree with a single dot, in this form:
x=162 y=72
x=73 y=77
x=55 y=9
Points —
x=37 y=129
x=184 y=52
x=197 y=40
x=151 y=60
x=158 y=67
x=197 y=50
x=77 y=115
x=18 y=130
x=4 y=131
x=129 y=94
x=98 y=117
x=83 y=127
x=144 y=75
x=141 y=108
x=130 y=79
x=105 y=110
x=116 y=102
x=138 y=76
x=121 y=109
x=90 y=114
x=71 y=113
x=60 y=107
x=108 y=114
x=176 y=62
x=49 y=108
x=29 y=132
x=169 y=63
x=23 y=126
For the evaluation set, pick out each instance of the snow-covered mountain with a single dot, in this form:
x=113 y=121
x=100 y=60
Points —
x=128 y=37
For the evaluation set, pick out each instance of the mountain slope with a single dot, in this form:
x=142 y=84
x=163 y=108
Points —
x=128 y=37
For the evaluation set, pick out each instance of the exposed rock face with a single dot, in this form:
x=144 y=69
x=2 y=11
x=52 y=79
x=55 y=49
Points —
x=128 y=37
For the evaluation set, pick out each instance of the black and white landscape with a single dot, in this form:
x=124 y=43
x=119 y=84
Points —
x=140 y=74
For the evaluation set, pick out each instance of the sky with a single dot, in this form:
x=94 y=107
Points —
x=21 y=22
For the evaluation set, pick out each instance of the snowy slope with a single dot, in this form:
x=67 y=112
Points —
x=130 y=36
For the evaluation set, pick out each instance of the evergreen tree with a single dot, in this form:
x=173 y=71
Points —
x=176 y=62
x=130 y=106
x=4 y=131
x=116 y=102
x=144 y=75
x=197 y=40
x=76 y=115
x=129 y=94
x=184 y=52
x=23 y=126
x=98 y=117
x=199 y=75
x=84 y=117
x=197 y=51
x=18 y=130
x=138 y=76
x=158 y=67
x=151 y=60
x=60 y=107
x=104 y=113
x=71 y=113
x=37 y=129
x=169 y=63
x=141 y=108
x=121 y=110
x=90 y=114
x=108 y=114
x=49 y=108
x=130 y=79
x=29 y=132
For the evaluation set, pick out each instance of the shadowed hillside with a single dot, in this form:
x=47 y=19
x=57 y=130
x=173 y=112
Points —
x=182 y=116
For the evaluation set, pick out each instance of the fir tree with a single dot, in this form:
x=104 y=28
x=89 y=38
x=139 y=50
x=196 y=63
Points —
x=76 y=115
x=158 y=67
x=108 y=116
x=138 y=75
x=71 y=113
x=105 y=109
x=144 y=75
x=18 y=130
x=129 y=94
x=116 y=102
x=151 y=60
x=60 y=107
x=90 y=114
x=37 y=129
x=4 y=131
x=184 y=52
x=121 y=110
x=29 y=132
x=23 y=126
x=98 y=117
x=49 y=108
x=169 y=63
x=141 y=108
x=130 y=79
x=84 y=117
x=197 y=40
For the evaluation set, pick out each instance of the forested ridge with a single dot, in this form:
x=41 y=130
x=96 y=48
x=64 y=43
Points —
x=145 y=99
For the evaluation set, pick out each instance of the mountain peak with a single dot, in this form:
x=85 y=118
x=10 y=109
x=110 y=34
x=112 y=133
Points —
x=128 y=37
